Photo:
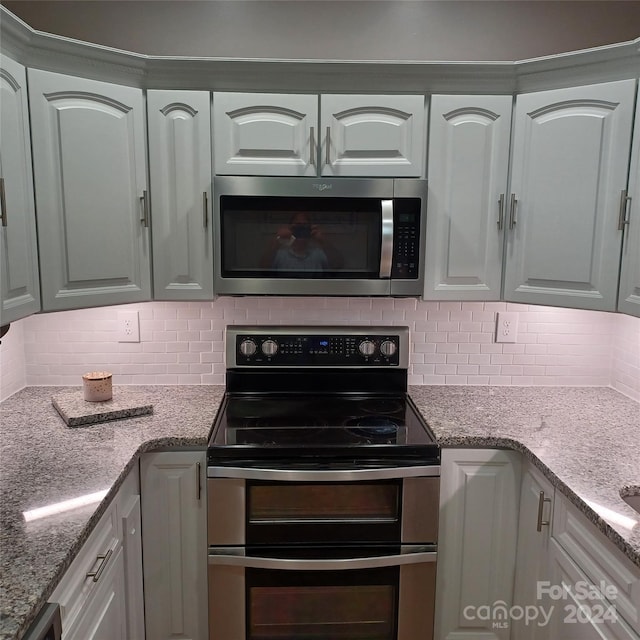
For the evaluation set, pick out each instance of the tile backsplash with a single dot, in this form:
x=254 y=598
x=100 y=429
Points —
x=452 y=342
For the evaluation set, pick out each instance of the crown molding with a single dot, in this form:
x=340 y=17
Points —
x=40 y=50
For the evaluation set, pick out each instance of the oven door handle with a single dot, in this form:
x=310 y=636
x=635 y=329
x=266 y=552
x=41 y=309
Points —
x=334 y=564
x=328 y=475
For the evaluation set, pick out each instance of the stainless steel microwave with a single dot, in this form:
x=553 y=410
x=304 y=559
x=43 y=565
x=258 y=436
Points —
x=316 y=236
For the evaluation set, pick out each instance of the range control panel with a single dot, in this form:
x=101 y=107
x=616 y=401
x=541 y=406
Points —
x=280 y=347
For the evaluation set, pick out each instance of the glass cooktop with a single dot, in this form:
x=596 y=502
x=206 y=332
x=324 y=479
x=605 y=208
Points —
x=268 y=425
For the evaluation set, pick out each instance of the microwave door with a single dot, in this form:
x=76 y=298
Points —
x=386 y=249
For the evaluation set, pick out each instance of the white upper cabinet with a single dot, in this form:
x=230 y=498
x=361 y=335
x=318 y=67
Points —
x=570 y=161
x=372 y=135
x=286 y=135
x=19 y=284
x=629 y=299
x=90 y=184
x=467 y=176
x=265 y=134
x=180 y=187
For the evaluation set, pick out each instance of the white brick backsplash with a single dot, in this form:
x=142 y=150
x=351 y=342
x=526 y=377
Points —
x=452 y=342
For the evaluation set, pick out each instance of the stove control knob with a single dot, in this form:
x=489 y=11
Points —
x=367 y=348
x=248 y=347
x=269 y=347
x=388 y=348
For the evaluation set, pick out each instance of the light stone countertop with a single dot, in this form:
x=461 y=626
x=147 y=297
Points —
x=585 y=440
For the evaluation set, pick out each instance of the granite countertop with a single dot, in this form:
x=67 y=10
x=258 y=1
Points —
x=43 y=461
x=585 y=440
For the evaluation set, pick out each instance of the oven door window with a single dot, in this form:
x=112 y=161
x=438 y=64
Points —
x=300 y=237
x=319 y=605
x=314 y=512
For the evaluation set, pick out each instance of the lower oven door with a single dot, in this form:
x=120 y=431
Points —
x=385 y=597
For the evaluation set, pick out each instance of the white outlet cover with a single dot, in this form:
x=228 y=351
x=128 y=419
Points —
x=507 y=326
x=128 y=326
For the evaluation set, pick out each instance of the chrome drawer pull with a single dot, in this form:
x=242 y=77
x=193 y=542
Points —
x=3 y=204
x=205 y=210
x=145 y=209
x=103 y=565
x=501 y=211
x=541 y=522
x=623 y=219
x=512 y=211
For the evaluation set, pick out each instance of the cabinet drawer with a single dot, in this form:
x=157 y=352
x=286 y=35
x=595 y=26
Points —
x=576 y=616
x=603 y=564
x=95 y=555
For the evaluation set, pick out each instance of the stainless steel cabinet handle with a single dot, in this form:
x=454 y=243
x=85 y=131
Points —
x=542 y=523
x=292 y=564
x=622 y=215
x=205 y=209
x=501 y=211
x=312 y=147
x=386 y=252
x=327 y=147
x=198 y=482
x=3 y=204
x=144 y=202
x=512 y=211
x=103 y=565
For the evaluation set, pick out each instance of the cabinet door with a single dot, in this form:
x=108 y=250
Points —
x=577 y=610
x=175 y=545
x=570 y=161
x=104 y=615
x=533 y=559
x=265 y=134
x=89 y=167
x=477 y=543
x=19 y=284
x=372 y=135
x=467 y=176
x=180 y=181
x=629 y=298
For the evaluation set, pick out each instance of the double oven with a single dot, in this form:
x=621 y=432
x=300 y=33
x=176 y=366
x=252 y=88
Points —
x=323 y=485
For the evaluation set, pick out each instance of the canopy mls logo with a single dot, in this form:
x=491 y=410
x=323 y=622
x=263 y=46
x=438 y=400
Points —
x=322 y=186
x=580 y=603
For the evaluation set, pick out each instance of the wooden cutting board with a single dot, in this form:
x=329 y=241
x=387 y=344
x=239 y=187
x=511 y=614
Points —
x=77 y=412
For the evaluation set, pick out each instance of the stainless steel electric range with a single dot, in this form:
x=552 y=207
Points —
x=323 y=489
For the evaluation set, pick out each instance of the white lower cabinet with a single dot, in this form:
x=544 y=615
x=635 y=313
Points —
x=477 y=542
x=100 y=595
x=532 y=558
x=105 y=616
x=580 y=613
x=571 y=582
x=175 y=545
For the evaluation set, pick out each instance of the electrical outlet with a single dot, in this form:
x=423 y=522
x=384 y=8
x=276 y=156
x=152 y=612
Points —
x=128 y=326
x=507 y=327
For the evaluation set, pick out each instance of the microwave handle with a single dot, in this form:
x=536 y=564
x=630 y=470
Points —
x=386 y=250
x=333 y=564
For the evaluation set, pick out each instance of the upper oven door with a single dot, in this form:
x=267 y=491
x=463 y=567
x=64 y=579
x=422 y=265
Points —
x=300 y=236
x=323 y=512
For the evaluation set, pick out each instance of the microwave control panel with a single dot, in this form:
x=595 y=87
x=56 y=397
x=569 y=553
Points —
x=406 y=238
